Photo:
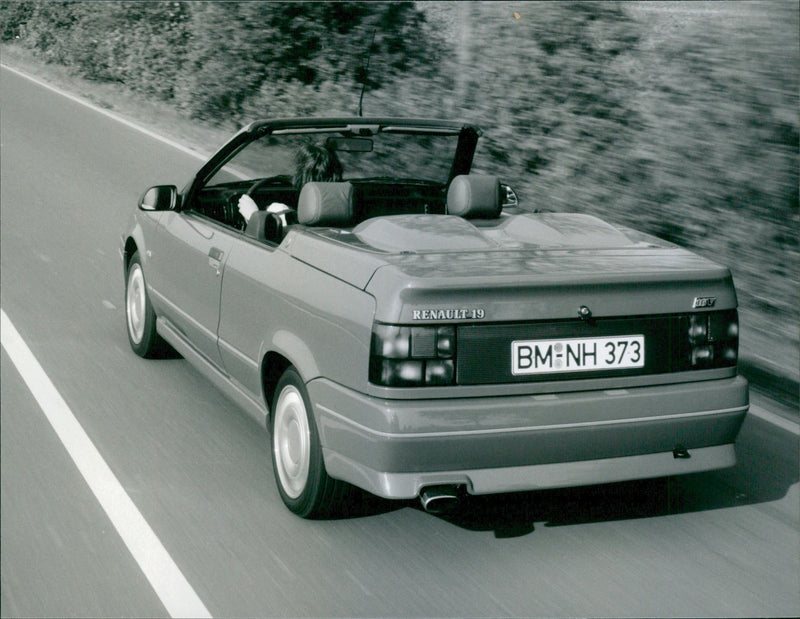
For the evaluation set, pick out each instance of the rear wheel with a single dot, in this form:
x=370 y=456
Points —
x=304 y=485
x=139 y=314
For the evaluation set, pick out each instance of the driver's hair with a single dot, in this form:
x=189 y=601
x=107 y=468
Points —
x=316 y=163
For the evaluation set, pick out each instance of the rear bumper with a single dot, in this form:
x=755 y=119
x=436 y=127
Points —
x=393 y=448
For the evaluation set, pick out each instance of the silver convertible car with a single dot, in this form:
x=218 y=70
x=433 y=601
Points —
x=401 y=322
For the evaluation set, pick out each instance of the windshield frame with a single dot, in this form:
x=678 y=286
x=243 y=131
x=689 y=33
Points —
x=461 y=160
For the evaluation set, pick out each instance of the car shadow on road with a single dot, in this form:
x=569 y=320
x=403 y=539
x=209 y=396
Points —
x=767 y=467
x=358 y=503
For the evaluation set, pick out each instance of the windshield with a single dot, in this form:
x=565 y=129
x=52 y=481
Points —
x=386 y=155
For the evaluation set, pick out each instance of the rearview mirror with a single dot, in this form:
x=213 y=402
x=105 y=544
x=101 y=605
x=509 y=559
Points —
x=349 y=145
x=159 y=198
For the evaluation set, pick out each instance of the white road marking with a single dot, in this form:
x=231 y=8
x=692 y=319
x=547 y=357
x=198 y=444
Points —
x=164 y=576
x=117 y=117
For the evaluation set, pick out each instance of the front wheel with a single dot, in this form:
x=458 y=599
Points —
x=304 y=485
x=139 y=314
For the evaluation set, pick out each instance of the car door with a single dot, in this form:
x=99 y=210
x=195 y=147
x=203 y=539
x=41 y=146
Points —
x=189 y=254
x=251 y=307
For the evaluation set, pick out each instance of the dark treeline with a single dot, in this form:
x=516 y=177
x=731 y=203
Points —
x=677 y=118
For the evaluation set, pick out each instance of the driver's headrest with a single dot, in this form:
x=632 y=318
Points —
x=474 y=196
x=326 y=204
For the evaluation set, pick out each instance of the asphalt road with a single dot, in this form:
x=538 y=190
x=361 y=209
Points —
x=198 y=469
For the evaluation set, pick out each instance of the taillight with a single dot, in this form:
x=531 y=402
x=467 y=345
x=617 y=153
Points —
x=412 y=356
x=713 y=339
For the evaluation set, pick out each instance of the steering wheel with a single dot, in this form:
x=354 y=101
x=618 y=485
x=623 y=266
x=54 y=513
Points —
x=233 y=201
x=281 y=179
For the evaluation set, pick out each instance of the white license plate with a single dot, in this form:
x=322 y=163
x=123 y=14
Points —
x=577 y=355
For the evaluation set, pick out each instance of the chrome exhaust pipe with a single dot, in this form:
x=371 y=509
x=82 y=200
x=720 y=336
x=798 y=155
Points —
x=439 y=499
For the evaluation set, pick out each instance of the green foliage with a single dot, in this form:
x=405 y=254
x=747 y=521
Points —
x=241 y=53
x=141 y=44
x=561 y=89
x=212 y=57
x=13 y=17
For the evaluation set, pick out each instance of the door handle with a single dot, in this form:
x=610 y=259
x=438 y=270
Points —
x=215 y=256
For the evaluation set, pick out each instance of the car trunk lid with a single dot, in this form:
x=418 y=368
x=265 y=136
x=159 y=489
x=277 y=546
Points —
x=544 y=266
x=534 y=267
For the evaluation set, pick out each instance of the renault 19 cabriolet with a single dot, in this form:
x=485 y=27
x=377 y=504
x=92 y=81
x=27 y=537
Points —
x=402 y=323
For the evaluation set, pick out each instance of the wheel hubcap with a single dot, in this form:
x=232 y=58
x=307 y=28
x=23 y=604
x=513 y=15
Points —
x=292 y=440
x=135 y=303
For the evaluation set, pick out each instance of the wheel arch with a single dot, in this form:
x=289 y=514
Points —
x=133 y=240
x=130 y=248
x=273 y=365
x=283 y=349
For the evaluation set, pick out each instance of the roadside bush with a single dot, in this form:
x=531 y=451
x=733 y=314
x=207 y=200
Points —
x=212 y=57
x=254 y=50
x=140 y=44
x=13 y=18
x=715 y=163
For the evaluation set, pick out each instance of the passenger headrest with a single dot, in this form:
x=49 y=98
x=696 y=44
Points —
x=473 y=196
x=326 y=204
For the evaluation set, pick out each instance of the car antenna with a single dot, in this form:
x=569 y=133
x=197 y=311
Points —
x=364 y=74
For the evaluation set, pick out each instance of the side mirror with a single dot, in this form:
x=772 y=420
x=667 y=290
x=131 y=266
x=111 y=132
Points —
x=159 y=198
x=508 y=197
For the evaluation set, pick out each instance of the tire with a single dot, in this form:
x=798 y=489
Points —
x=304 y=485
x=139 y=315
